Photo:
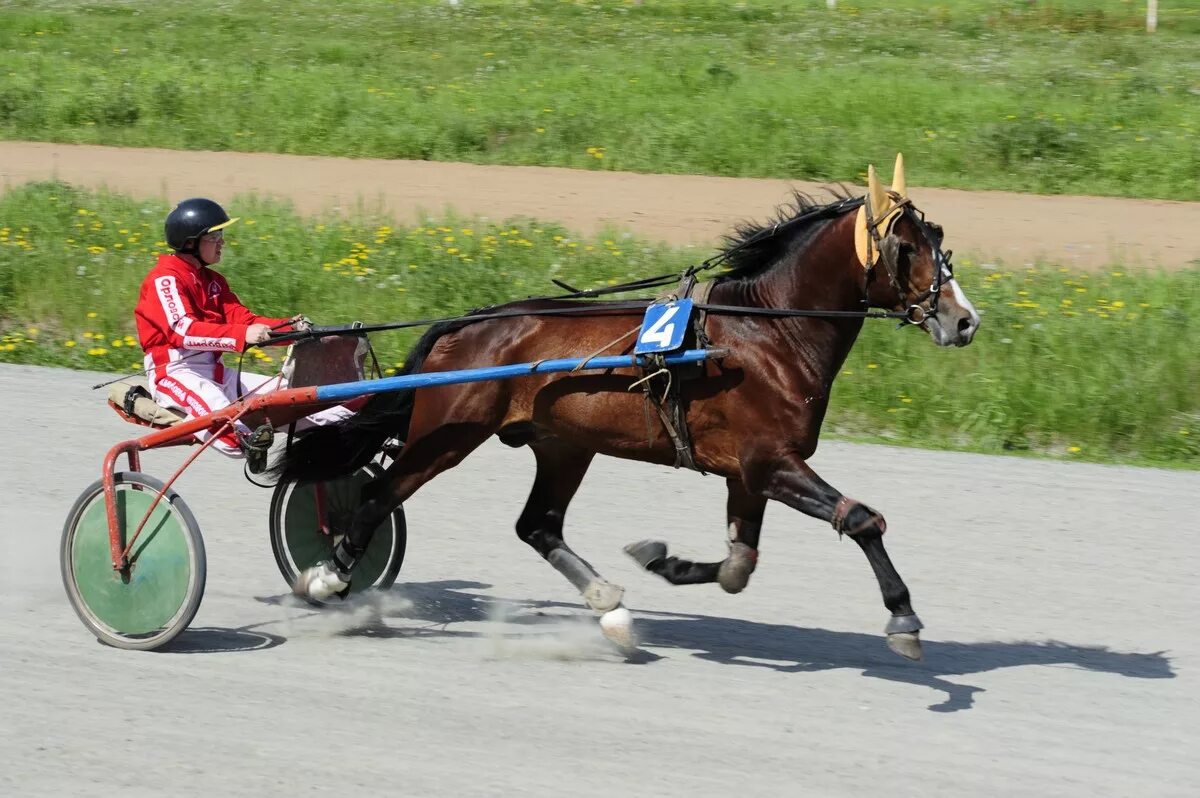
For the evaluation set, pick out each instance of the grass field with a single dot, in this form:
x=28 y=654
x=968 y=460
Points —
x=1098 y=367
x=1052 y=96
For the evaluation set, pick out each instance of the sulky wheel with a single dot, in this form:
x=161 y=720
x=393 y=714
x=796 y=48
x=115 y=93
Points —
x=157 y=597
x=299 y=541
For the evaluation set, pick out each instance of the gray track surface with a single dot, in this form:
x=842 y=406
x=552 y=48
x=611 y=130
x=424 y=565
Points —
x=1061 y=648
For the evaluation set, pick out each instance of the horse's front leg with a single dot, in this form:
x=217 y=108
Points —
x=792 y=482
x=743 y=515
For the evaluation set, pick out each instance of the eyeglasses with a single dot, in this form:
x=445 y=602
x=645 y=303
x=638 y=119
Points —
x=216 y=237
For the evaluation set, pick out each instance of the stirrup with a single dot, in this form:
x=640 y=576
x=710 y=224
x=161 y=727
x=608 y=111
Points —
x=256 y=445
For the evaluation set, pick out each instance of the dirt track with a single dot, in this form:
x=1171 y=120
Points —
x=1087 y=232
x=1061 y=652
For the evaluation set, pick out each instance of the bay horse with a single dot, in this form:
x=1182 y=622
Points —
x=754 y=416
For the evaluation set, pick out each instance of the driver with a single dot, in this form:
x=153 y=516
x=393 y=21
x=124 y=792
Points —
x=186 y=307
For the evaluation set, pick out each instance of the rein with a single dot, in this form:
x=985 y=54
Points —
x=607 y=309
x=915 y=313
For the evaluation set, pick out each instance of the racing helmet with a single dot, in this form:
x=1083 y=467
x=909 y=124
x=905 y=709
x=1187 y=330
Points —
x=191 y=219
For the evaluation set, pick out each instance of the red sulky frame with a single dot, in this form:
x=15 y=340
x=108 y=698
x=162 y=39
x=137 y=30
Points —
x=280 y=407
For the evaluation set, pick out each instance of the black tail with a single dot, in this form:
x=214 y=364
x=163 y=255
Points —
x=325 y=453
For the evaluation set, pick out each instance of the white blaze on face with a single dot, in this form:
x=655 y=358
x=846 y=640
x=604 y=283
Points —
x=960 y=297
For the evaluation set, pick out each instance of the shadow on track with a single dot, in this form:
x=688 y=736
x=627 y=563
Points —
x=788 y=649
x=214 y=640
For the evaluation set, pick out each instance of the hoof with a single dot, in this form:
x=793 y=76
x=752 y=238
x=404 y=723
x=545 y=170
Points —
x=735 y=570
x=617 y=626
x=906 y=644
x=603 y=596
x=647 y=552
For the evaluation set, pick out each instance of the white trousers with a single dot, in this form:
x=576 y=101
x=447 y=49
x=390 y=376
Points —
x=195 y=393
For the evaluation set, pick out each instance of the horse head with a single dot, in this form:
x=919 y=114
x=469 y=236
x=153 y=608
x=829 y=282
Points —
x=907 y=269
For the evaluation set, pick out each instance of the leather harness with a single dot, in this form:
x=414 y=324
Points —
x=670 y=406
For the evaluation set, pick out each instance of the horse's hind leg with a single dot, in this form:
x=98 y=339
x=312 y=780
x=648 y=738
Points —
x=744 y=513
x=798 y=486
x=424 y=456
x=560 y=469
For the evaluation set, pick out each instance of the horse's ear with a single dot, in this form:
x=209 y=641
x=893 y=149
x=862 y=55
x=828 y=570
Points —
x=880 y=201
x=883 y=215
x=898 y=183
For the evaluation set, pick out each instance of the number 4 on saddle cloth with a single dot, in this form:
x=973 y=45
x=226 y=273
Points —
x=664 y=327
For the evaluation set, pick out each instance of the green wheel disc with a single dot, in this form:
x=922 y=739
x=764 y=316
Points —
x=158 y=596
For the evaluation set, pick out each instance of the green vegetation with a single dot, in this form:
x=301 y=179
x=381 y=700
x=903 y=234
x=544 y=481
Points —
x=1087 y=366
x=1052 y=96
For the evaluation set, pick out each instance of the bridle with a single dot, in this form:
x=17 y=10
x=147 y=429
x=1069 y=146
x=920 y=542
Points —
x=943 y=270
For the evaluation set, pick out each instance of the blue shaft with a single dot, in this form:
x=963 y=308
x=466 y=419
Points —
x=349 y=390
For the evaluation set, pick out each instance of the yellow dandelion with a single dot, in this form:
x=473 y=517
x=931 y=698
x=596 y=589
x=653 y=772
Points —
x=1074 y=449
x=68 y=344
x=96 y=351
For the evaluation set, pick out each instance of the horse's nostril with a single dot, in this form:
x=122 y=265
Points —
x=964 y=325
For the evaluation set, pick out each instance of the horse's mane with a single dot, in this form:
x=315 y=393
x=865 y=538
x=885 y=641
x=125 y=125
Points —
x=753 y=247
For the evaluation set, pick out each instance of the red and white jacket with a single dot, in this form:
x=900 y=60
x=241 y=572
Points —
x=183 y=307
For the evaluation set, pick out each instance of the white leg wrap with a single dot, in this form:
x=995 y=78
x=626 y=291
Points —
x=603 y=596
x=319 y=582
